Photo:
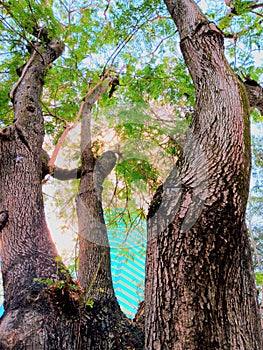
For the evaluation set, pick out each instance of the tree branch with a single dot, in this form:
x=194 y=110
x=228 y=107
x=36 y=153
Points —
x=103 y=167
x=65 y=174
x=86 y=105
x=256 y=6
x=105 y=12
x=57 y=172
x=57 y=117
x=84 y=110
x=36 y=49
x=161 y=42
x=26 y=96
x=11 y=94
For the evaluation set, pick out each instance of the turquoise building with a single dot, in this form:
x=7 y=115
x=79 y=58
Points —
x=128 y=265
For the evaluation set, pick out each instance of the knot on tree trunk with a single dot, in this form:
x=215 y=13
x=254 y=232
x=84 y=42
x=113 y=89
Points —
x=3 y=218
x=255 y=94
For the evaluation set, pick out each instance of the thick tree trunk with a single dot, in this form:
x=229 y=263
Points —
x=200 y=290
x=27 y=250
x=44 y=307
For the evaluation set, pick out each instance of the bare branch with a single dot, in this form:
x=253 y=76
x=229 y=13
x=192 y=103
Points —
x=57 y=117
x=103 y=168
x=256 y=6
x=57 y=172
x=127 y=39
x=105 y=12
x=66 y=174
x=161 y=42
x=88 y=100
x=86 y=105
x=60 y=142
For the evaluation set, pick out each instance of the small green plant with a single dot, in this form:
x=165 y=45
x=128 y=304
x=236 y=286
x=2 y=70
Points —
x=62 y=279
x=89 y=303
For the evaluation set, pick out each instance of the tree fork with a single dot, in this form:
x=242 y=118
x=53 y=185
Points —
x=44 y=307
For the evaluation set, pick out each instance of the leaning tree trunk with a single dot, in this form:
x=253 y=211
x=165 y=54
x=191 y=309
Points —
x=44 y=307
x=200 y=290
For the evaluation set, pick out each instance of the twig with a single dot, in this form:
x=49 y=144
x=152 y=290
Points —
x=65 y=122
x=256 y=6
x=126 y=40
x=257 y=13
x=105 y=12
x=160 y=43
x=23 y=36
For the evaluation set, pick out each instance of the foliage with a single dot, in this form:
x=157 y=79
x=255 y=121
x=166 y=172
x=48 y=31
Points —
x=243 y=31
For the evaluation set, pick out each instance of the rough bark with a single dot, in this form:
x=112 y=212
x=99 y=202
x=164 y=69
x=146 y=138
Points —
x=27 y=250
x=255 y=94
x=200 y=290
x=94 y=271
x=41 y=315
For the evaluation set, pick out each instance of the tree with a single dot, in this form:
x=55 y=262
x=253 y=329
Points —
x=200 y=290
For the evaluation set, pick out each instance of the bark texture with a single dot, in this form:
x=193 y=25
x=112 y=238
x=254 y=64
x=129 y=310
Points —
x=94 y=271
x=200 y=289
x=27 y=250
x=39 y=315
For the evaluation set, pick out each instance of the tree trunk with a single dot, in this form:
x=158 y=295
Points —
x=200 y=290
x=44 y=307
x=27 y=250
x=94 y=270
